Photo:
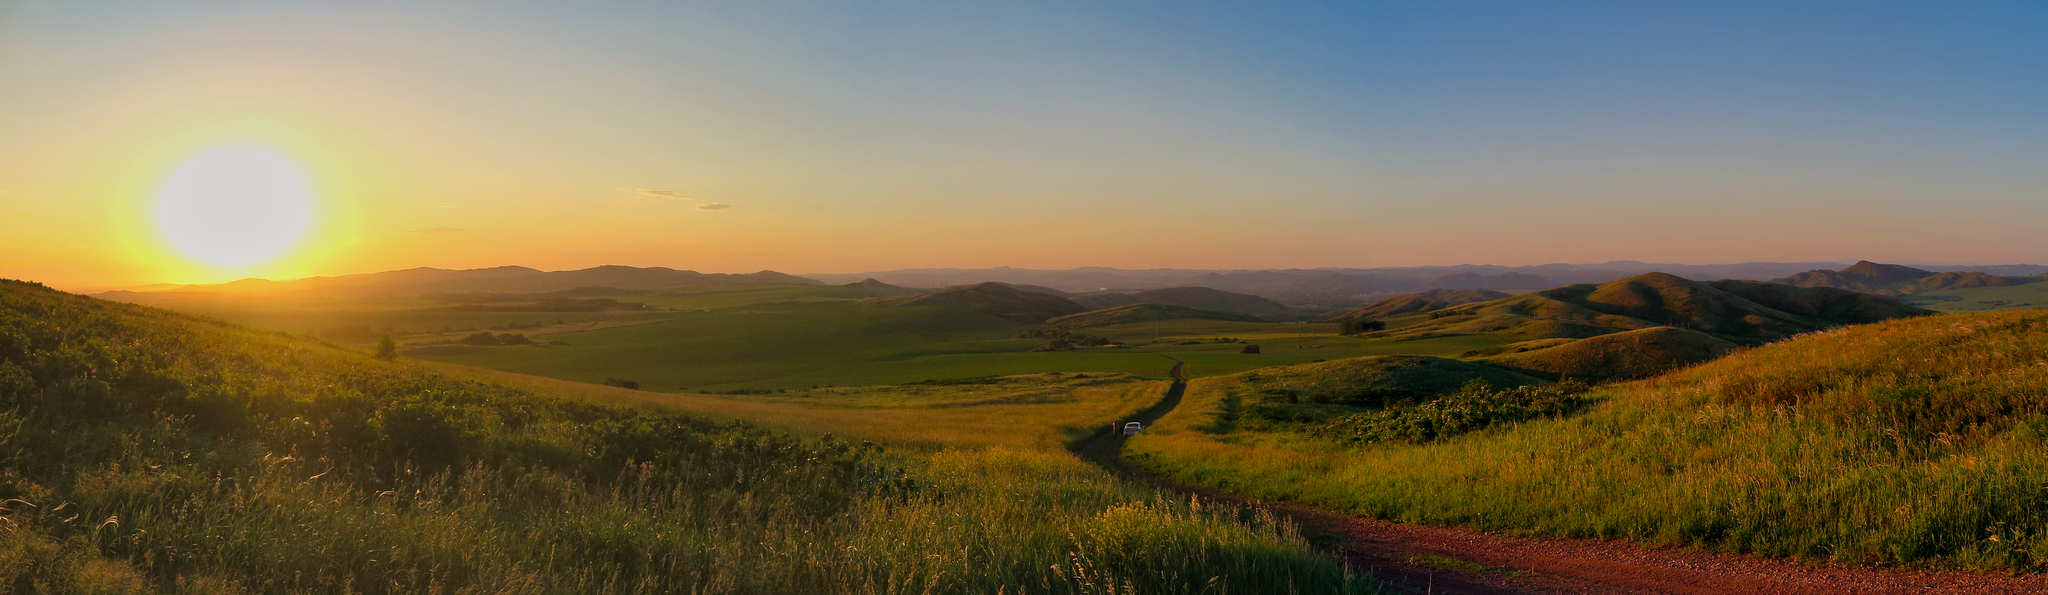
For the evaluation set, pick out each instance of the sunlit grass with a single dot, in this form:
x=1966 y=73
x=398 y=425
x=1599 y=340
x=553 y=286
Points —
x=147 y=452
x=1911 y=442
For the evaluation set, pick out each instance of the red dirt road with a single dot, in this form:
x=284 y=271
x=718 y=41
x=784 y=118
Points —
x=1454 y=561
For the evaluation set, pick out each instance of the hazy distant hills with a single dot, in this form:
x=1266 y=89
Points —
x=1323 y=290
x=508 y=279
x=1744 y=312
x=1367 y=286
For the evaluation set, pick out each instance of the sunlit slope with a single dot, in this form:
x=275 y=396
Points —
x=1915 y=441
x=1625 y=355
x=154 y=452
x=1428 y=301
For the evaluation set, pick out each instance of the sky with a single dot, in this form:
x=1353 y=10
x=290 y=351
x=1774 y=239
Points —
x=839 y=137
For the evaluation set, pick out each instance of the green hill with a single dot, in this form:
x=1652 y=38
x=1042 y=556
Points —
x=994 y=299
x=1199 y=298
x=1743 y=312
x=1618 y=356
x=1428 y=301
x=1144 y=313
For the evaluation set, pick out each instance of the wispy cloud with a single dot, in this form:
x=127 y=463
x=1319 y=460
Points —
x=436 y=230
x=714 y=206
x=637 y=194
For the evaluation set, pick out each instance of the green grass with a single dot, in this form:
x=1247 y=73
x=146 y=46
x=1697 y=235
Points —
x=147 y=452
x=790 y=337
x=1913 y=442
x=2032 y=296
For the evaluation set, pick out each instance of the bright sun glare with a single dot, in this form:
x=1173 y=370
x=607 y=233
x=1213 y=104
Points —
x=235 y=205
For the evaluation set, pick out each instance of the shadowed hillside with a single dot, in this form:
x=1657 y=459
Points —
x=1428 y=301
x=1724 y=309
x=994 y=299
x=1145 y=313
x=1618 y=356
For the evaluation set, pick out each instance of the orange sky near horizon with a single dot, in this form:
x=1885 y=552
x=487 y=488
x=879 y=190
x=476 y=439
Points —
x=458 y=136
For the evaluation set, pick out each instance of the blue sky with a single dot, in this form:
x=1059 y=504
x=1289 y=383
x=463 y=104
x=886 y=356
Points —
x=859 y=135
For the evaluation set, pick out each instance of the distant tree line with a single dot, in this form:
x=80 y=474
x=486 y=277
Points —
x=487 y=339
x=1356 y=326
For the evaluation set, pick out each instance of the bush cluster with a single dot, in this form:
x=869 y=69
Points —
x=1475 y=407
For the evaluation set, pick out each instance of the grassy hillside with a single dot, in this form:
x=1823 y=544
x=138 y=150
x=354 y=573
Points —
x=2020 y=293
x=1428 y=301
x=1738 y=311
x=152 y=452
x=1908 y=442
x=1618 y=356
x=1143 y=313
x=994 y=299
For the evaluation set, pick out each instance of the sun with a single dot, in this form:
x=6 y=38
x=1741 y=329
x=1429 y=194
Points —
x=235 y=205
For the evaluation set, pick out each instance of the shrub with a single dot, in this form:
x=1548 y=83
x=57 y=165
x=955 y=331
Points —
x=621 y=383
x=1251 y=348
x=1475 y=407
x=387 y=349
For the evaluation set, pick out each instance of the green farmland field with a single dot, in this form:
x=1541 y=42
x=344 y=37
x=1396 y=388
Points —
x=804 y=344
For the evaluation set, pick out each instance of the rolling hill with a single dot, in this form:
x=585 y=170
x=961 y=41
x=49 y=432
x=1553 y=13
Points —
x=866 y=288
x=1618 y=356
x=994 y=299
x=1199 y=298
x=1428 y=301
x=1742 y=312
x=1144 y=313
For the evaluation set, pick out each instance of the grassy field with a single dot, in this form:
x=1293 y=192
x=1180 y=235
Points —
x=801 y=345
x=2031 y=296
x=149 y=452
x=793 y=337
x=1913 y=442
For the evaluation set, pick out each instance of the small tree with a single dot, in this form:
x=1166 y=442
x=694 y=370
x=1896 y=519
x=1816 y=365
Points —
x=387 y=349
x=1252 y=348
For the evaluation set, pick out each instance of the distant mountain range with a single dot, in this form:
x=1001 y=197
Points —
x=1294 y=284
x=1325 y=289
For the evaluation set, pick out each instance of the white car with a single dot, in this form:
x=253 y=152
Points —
x=1132 y=429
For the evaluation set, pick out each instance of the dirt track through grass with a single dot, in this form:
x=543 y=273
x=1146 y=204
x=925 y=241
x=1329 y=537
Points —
x=1457 y=561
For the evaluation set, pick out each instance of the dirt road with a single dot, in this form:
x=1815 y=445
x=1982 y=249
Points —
x=1455 y=561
